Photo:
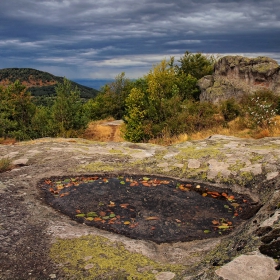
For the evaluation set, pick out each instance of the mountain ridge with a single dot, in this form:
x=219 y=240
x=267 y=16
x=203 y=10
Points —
x=40 y=83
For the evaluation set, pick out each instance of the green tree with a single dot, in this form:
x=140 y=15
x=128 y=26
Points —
x=197 y=65
x=43 y=123
x=110 y=102
x=16 y=111
x=136 y=117
x=68 y=110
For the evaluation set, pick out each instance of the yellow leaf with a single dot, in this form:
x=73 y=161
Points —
x=152 y=218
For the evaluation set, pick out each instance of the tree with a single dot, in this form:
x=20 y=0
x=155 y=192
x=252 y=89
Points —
x=197 y=65
x=152 y=101
x=16 y=111
x=68 y=111
x=43 y=124
x=136 y=117
x=110 y=102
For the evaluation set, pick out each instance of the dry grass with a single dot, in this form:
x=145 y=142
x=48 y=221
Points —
x=7 y=141
x=5 y=164
x=100 y=131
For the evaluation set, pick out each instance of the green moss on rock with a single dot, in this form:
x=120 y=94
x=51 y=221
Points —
x=96 y=257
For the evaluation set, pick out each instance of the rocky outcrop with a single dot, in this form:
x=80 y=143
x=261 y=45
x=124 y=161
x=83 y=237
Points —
x=235 y=76
x=56 y=247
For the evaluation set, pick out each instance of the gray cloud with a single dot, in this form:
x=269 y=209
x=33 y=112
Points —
x=101 y=38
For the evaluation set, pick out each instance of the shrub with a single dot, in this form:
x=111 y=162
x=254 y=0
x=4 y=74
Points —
x=5 y=164
x=230 y=109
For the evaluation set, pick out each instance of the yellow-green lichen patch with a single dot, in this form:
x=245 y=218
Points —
x=115 y=151
x=256 y=158
x=237 y=166
x=193 y=152
x=96 y=257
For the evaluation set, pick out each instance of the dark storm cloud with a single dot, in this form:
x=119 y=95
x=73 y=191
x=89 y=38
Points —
x=101 y=38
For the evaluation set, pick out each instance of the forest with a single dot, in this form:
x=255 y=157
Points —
x=162 y=103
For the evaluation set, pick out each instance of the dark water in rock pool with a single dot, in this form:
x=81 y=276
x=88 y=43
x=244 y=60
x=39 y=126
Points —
x=152 y=208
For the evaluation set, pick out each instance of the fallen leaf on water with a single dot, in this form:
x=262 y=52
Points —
x=165 y=182
x=122 y=182
x=124 y=205
x=235 y=214
x=92 y=214
x=112 y=215
x=126 y=222
x=80 y=215
x=156 y=181
x=215 y=222
x=235 y=205
x=214 y=194
x=105 y=218
x=231 y=198
x=146 y=184
x=224 y=226
x=133 y=225
x=198 y=186
x=178 y=221
x=78 y=211
x=89 y=218
x=112 y=204
x=207 y=231
x=146 y=178
x=97 y=219
x=152 y=218
x=64 y=194
x=60 y=187
x=204 y=194
x=48 y=182
x=102 y=213
x=224 y=195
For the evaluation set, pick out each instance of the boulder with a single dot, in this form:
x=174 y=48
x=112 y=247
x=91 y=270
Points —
x=235 y=76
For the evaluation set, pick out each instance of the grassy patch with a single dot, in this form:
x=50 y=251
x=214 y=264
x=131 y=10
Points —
x=5 y=164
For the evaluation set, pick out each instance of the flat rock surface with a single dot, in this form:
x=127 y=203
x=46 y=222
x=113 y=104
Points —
x=251 y=267
x=38 y=242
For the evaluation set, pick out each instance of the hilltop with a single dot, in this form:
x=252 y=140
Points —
x=39 y=83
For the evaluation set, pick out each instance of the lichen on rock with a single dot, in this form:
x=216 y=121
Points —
x=235 y=76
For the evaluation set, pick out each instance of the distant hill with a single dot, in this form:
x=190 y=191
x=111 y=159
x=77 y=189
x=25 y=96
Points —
x=39 y=83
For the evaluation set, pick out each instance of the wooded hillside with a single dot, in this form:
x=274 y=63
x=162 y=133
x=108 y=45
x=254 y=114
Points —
x=40 y=83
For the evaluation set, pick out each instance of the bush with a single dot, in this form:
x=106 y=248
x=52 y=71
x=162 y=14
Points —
x=230 y=109
x=5 y=164
x=260 y=109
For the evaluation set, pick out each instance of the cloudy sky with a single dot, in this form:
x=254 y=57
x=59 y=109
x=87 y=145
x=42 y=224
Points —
x=98 y=39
